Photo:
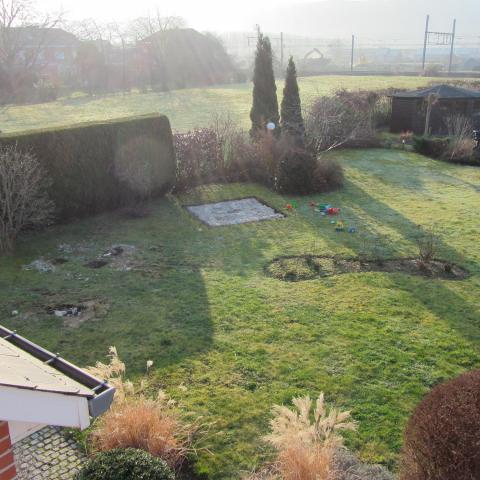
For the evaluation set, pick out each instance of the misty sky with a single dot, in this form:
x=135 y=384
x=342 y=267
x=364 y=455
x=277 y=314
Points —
x=376 y=19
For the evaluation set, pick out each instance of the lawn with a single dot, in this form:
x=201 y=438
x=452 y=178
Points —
x=227 y=341
x=186 y=109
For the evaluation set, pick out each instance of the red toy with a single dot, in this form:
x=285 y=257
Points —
x=289 y=206
x=333 y=211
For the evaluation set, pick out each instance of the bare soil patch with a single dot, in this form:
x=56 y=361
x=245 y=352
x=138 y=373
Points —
x=76 y=313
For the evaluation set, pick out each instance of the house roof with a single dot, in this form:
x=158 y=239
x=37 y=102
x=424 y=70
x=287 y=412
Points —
x=442 y=91
x=34 y=36
x=25 y=365
x=22 y=370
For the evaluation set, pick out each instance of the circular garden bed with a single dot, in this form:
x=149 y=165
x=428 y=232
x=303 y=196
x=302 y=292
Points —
x=308 y=267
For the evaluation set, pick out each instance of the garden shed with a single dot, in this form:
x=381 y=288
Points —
x=38 y=388
x=409 y=109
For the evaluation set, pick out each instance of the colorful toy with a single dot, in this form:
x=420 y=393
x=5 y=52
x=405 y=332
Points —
x=324 y=206
x=294 y=204
x=352 y=230
x=333 y=211
x=340 y=227
x=289 y=206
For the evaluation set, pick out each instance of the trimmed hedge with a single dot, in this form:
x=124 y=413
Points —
x=442 y=437
x=81 y=161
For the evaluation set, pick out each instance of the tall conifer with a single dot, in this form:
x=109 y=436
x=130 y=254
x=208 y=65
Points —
x=265 y=102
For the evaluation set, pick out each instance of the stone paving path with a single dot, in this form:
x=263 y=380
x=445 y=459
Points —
x=48 y=454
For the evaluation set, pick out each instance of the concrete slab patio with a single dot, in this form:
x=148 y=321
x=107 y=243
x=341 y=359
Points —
x=233 y=212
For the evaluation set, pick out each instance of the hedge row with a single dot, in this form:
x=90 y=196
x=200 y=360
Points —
x=82 y=161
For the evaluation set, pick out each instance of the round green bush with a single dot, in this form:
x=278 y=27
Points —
x=125 y=464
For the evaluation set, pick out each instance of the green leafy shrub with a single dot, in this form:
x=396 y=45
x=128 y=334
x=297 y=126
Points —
x=125 y=464
x=431 y=147
x=442 y=437
x=99 y=166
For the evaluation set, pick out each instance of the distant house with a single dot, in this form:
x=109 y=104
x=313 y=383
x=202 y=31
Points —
x=183 y=57
x=38 y=388
x=52 y=51
x=409 y=108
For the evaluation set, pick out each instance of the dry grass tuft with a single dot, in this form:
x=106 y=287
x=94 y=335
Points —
x=306 y=441
x=147 y=425
x=135 y=421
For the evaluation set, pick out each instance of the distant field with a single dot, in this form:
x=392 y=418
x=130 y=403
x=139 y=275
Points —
x=186 y=108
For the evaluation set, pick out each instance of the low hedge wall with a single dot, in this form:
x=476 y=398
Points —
x=82 y=161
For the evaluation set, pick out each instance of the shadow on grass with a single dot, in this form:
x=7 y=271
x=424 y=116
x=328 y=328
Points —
x=158 y=311
x=438 y=296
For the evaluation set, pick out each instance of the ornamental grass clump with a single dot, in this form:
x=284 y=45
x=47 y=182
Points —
x=136 y=421
x=306 y=441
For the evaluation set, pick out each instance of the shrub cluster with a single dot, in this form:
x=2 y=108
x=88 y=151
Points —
x=346 y=119
x=449 y=149
x=227 y=154
x=442 y=438
x=125 y=464
x=100 y=166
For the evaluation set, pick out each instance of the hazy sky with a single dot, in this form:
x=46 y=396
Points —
x=403 y=19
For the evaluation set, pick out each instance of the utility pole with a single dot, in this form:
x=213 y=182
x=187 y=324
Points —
x=282 y=51
x=425 y=43
x=451 y=47
x=353 y=53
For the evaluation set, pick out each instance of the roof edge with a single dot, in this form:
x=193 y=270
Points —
x=103 y=393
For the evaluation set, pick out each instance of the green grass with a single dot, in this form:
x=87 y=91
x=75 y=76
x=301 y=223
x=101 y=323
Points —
x=186 y=109
x=228 y=342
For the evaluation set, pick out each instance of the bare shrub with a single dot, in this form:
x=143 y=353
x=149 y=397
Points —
x=153 y=425
x=442 y=437
x=24 y=202
x=343 y=119
x=461 y=144
x=427 y=244
x=306 y=441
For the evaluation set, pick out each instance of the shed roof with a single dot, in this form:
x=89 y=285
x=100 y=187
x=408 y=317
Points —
x=22 y=370
x=442 y=91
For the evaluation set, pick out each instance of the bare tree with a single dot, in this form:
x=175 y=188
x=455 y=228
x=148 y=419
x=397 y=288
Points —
x=150 y=31
x=24 y=202
x=16 y=61
x=120 y=34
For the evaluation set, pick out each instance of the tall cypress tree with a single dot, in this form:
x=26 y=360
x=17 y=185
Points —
x=292 y=119
x=265 y=102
